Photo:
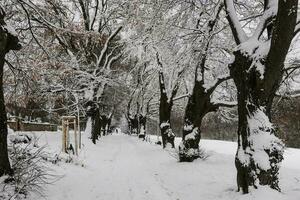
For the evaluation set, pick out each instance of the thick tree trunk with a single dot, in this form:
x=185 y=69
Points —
x=257 y=79
x=105 y=124
x=96 y=125
x=165 y=107
x=259 y=150
x=4 y=161
x=134 y=125
x=108 y=126
x=167 y=134
x=8 y=42
x=198 y=106
x=142 y=126
x=129 y=119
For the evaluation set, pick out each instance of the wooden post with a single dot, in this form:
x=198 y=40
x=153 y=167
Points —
x=64 y=136
x=78 y=119
x=79 y=131
x=66 y=121
x=67 y=134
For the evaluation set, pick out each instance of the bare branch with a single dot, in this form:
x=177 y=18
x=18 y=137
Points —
x=236 y=28
x=105 y=48
x=217 y=83
x=85 y=14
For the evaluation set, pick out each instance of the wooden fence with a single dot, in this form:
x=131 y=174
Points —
x=31 y=126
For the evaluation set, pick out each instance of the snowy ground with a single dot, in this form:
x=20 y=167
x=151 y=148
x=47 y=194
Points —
x=122 y=167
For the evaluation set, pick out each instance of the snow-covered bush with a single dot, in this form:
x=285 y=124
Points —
x=65 y=158
x=20 y=138
x=31 y=173
x=29 y=164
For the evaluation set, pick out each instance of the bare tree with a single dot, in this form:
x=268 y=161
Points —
x=92 y=48
x=165 y=105
x=200 y=101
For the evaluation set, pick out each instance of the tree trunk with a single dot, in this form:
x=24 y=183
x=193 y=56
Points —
x=96 y=125
x=165 y=107
x=129 y=121
x=257 y=79
x=109 y=131
x=197 y=107
x=167 y=134
x=105 y=124
x=142 y=126
x=256 y=138
x=134 y=124
x=8 y=42
x=259 y=151
x=4 y=161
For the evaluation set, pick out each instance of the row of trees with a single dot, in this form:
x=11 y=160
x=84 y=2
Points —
x=70 y=61
x=108 y=60
x=181 y=38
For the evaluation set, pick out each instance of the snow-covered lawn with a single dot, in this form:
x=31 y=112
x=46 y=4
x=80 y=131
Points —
x=122 y=167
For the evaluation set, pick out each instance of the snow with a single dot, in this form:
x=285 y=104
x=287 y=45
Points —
x=118 y=167
x=192 y=135
x=170 y=133
x=188 y=127
x=258 y=51
x=261 y=139
x=142 y=130
x=10 y=30
x=236 y=23
x=164 y=124
x=88 y=94
x=211 y=84
x=254 y=47
x=243 y=157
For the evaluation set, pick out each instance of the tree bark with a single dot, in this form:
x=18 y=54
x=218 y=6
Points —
x=197 y=107
x=165 y=107
x=142 y=126
x=4 y=162
x=7 y=42
x=254 y=124
x=109 y=131
x=134 y=124
x=129 y=121
x=96 y=125
x=105 y=124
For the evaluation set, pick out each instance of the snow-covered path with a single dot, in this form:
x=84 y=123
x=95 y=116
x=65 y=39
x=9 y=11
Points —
x=122 y=167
